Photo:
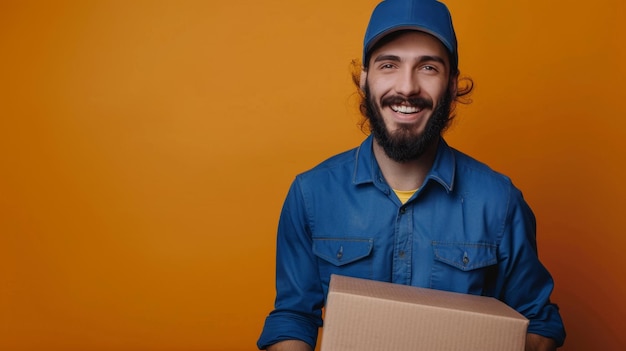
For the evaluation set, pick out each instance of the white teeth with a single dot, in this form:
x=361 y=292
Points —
x=405 y=109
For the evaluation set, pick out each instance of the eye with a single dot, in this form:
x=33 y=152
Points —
x=385 y=66
x=430 y=69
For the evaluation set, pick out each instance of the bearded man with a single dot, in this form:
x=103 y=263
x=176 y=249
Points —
x=404 y=207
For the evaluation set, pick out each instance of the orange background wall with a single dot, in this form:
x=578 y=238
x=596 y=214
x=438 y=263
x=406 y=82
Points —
x=147 y=146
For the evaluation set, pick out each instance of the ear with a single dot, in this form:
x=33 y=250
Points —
x=453 y=85
x=363 y=79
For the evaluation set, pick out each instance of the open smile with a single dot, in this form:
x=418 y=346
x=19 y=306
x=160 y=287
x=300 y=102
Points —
x=405 y=109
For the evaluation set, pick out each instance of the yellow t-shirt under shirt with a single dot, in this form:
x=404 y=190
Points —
x=404 y=195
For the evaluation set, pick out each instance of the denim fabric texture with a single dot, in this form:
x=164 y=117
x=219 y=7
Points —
x=467 y=229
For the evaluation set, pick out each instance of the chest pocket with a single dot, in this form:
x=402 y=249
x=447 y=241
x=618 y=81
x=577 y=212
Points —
x=464 y=267
x=344 y=256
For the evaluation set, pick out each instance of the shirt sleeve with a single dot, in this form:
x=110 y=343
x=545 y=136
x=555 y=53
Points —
x=299 y=300
x=525 y=283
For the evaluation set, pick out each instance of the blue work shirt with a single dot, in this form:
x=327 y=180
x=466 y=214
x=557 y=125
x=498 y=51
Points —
x=467 y=229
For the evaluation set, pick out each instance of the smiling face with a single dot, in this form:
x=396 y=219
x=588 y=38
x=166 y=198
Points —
x=408 y=93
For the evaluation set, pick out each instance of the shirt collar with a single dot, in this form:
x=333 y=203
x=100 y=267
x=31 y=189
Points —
x=444 y=166
x=365 y=166
x=366 y=169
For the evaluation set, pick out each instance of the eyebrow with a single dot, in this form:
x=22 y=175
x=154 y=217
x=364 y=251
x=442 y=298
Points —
x=422 y=59
x=387 y=58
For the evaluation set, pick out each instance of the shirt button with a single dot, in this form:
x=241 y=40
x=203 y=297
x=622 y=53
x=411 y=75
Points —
x=403 y=210
x=465 y=259
x=401 y=254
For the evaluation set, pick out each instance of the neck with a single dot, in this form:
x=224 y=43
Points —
x=408 y=175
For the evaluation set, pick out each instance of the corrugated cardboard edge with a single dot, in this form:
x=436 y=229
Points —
x=373 y=317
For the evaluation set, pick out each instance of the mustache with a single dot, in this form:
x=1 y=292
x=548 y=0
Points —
x=420 y=102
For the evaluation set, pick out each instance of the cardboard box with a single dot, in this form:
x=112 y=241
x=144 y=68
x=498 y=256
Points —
x=371 y=315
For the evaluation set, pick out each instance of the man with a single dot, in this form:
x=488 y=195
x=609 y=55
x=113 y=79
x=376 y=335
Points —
x=404 y=207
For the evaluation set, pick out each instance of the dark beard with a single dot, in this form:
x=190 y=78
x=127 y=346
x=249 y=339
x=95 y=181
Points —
x=404 y=145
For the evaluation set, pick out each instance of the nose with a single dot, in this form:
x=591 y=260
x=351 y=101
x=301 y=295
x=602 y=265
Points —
x=407 y=83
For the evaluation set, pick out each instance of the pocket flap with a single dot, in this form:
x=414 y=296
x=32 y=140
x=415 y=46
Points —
x=466 y=256
x=342 y=251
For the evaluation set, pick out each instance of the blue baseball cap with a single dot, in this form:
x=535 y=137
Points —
x=429 y=16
